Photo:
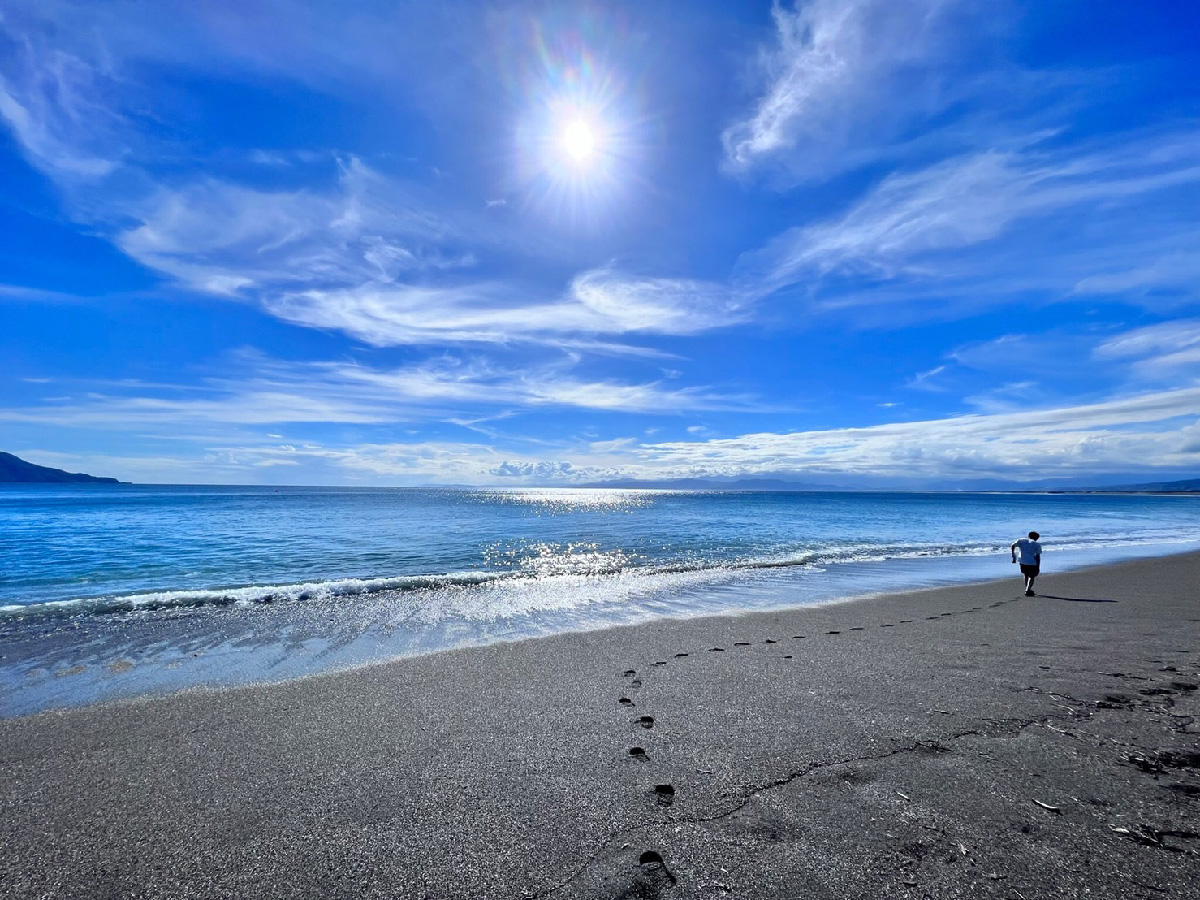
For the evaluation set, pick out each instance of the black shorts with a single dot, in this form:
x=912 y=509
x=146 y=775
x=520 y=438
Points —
x=1030 y=571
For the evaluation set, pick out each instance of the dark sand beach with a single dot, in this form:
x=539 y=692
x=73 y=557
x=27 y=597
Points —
x=960 y=742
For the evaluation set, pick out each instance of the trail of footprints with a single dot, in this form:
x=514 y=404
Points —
x=653 y=868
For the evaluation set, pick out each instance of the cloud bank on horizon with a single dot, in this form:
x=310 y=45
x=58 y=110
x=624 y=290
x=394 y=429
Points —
x=886 y=242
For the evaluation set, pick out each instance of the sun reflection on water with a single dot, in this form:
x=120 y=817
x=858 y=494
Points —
x=567 y=500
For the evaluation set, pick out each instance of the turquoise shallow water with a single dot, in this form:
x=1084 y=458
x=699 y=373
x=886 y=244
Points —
x=222 y=585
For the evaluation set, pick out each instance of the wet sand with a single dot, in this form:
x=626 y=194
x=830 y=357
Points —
x=959 y=742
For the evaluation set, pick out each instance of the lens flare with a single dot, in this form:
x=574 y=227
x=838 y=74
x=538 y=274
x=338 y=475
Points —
x=581 y=133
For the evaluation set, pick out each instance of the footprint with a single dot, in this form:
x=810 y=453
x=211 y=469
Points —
x=638 y=753
x=661 y=662
x=932 y=617
x=654 y=878
x=788 y=656
x=716 y=649
x=888 y=625
x=646 y=721
x=741 y=643
x=637 y=682
x=664 y=794
x=679 y=655
x=905 y=621
x=625 y=701
x=833 y=632
x=630 y=673
x=948 y=614
x=856 y=628
x=799 y=637
x=770 y=641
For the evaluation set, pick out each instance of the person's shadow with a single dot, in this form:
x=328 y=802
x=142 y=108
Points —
x=1076 y=599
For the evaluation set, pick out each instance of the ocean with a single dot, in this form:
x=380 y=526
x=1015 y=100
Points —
x=112 y=591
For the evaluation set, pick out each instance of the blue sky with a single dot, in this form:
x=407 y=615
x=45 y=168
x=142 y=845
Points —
x=873 y=242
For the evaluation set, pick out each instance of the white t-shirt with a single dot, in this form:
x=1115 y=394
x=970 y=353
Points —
x=1030 y=550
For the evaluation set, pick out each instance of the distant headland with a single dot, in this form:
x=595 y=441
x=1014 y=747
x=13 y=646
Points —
x=13 y=469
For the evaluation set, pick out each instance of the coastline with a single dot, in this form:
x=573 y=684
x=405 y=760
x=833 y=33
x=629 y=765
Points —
x=957 y=741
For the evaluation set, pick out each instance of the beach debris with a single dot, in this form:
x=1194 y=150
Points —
x=646 y=721
x=962 y=848
x=996 y=876
x=630 y=673
x=625 y=701
x=904 y=795
x=1046 y=806
x=637 y=753
x=1151 y=836
x=1145 y=763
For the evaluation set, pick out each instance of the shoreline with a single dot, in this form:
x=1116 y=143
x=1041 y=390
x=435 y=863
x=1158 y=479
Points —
x=69 y=662
x=956 y=741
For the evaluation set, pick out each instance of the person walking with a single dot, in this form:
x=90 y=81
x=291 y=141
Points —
x=1031 y=559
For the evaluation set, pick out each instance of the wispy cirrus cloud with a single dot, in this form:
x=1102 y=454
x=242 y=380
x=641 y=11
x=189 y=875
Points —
x=597 y=302
x=1168 y=349
x=842 y=79
x=444 y=389
x=976 y=229
x=227 y=238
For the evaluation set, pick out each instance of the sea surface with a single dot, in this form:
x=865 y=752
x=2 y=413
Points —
x=110 y=591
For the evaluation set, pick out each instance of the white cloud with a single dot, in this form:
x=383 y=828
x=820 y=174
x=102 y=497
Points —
x=657 y=305
x=1144 y=432
x=1141 y=431
x=330 y=393
x=970 y=230
x=1168 y=349
x=597 y=302
x=48 y=100
x=844 y=75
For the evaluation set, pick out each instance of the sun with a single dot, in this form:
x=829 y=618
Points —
x=579 y=140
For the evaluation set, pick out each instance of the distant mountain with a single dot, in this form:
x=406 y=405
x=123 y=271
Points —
x=1049 y=485
x=13 y=469
x=1186 y=484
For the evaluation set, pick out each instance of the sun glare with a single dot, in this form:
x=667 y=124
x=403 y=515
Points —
x=579 y=140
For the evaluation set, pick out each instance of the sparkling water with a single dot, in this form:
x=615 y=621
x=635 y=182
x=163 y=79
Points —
x=136 y=588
